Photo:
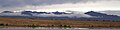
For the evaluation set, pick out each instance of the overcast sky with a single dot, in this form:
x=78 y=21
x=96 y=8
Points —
x=60 y=5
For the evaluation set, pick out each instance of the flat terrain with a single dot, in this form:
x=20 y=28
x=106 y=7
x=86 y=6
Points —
x=28 y=22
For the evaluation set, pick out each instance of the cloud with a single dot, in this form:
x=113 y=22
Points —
x=30 y=4
x=9 y=3
x=17 y=4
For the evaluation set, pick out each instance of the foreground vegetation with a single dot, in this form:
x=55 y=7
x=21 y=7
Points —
x=28 y=22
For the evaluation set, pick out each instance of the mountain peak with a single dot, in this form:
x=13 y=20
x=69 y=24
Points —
x=92 y=13
x=7 y=12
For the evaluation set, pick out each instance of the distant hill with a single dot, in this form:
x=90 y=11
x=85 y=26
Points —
x=45 y=14
x=91 y=15
x=103 y=16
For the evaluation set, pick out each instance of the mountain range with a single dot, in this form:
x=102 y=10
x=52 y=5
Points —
x=75 y=15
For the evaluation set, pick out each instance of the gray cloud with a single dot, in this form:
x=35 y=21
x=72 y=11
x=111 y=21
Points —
x=17 y=3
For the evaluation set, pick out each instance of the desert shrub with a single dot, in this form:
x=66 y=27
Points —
x=1 y=24
x=64 y=25
x=6 y=24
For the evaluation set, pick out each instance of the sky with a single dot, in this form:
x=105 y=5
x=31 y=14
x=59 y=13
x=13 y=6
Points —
x=59 y=5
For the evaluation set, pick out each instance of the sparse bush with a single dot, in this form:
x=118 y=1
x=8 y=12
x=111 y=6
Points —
x=64 y=25
x=1 y=24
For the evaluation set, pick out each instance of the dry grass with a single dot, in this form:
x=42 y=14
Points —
x=45 y=22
